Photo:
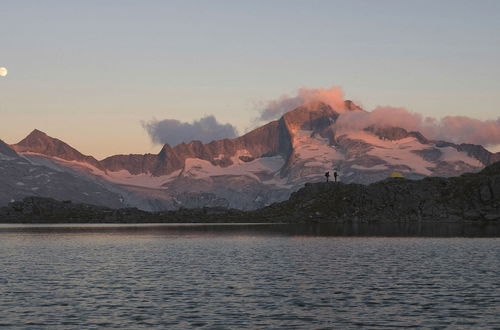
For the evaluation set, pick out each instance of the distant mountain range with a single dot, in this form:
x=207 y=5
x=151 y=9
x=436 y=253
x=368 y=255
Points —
x=466 y=205
x=261 y=167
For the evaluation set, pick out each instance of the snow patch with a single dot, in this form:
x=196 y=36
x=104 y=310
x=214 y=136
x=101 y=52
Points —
x=452 y=155
x=122 y=177
x=202 y=169
x=314 y=148
x=396 y=152
x=379 y=167
x=140 y=180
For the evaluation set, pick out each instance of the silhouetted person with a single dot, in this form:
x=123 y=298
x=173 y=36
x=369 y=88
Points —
x=335 y=175
x=327 y=175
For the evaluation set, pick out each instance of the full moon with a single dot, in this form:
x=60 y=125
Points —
x=3 y=71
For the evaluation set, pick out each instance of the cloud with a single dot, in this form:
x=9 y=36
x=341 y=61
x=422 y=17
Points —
x=174 y=132
x=457 y=129
x=465 y=129
x=276 y=108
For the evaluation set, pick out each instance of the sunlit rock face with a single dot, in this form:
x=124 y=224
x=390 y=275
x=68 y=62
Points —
x=41 y=143
x=261 y=167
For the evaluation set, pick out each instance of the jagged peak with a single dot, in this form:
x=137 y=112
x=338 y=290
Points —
x=35 y=139
x=313 y=106
x=351 y=106
x=165 y=149
x=36 y=134
x=36 y=131
x=41 y=143
x=310 y=116
x=308 y=113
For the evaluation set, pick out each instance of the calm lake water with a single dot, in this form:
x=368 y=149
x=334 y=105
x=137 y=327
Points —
x=242 y=276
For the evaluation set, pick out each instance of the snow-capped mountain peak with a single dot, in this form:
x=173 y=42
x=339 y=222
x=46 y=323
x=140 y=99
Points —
x=264 y=165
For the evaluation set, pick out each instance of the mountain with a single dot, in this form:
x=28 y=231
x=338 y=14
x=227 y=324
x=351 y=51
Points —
x=263 y=166
x=20 y=177
x=264 y=141
x=40 y=143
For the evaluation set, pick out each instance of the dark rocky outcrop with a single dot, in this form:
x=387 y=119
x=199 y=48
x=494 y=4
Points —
x=48 y=210
x=495 y=157
x=474 y=197
x=388 y=132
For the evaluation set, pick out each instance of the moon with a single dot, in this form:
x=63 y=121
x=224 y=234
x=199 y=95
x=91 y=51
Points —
x=3 y=71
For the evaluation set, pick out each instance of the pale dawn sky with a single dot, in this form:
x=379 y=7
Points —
x=90 y=72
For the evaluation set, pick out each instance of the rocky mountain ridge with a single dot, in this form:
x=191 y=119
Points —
x=263 y=166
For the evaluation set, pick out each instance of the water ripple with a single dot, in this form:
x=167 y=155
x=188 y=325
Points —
x=91 y=280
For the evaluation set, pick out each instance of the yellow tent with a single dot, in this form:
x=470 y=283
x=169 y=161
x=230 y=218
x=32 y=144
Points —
x=396 y=174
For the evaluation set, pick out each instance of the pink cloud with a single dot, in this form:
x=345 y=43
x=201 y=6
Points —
x=457 y=129
x=333 y=96
x=465 y=129
x=274 y=109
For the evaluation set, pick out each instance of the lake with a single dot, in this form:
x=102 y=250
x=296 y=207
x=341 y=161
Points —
x=244 y=276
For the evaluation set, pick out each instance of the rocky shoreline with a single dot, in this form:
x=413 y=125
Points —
x=473 y=198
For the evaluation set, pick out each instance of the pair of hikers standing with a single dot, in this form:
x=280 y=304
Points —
x=335 y=175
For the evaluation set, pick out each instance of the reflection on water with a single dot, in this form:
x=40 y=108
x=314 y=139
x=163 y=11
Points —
x=401 y=229
x=245 y=276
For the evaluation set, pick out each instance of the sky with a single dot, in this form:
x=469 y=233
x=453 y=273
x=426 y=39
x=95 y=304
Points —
x=99 y=74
